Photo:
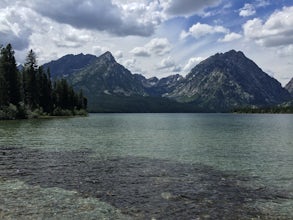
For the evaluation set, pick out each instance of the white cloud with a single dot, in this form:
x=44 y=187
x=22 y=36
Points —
x=169 y=65
x=69 y=37
x=130 y=63
x=140 y=52
x=262 y=3
x=157 y=46
x=277 y=30
x=118 y=54
x=286 y=51
x=188 y=7
x=231 y=37
x=98 y=50
x=192 y=62
x=199 y=30
x=247 y=10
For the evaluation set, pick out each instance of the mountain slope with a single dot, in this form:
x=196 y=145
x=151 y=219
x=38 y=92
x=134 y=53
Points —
x=160 y=87
x=105 y=77
x=226 y=81
x=69 y=64
x=221 y=83
x=289 y=87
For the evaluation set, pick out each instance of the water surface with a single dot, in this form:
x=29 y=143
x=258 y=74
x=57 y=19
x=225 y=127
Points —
x=143 y=166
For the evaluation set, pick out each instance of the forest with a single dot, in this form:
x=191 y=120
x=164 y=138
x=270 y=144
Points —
x=30 y=92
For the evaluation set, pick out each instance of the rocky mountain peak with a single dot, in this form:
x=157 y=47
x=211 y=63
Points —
x=233 y=53
x=108 y=57
x=69 y=64
x=228 y=80
x=289 y=87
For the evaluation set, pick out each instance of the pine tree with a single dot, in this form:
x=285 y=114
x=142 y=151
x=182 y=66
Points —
x=10 y=80
x=33 y=86
x=30 y=80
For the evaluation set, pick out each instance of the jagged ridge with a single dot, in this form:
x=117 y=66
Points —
x=229 y=80
x=220 y=83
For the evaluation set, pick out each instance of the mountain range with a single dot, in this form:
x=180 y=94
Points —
x=69 y=64
x=289 y=87
x=220 y=83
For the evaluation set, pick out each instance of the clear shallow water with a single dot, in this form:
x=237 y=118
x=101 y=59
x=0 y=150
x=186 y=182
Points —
x=140 y=166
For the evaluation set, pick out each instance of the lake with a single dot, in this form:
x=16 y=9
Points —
x=148 y=166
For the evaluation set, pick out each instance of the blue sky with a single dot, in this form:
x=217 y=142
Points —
x=153 y=37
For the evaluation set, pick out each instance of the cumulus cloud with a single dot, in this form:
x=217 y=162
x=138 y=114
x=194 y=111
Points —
x=157 y=46
x=140 y=52
x=118 y=54
x=130 y=63
x=169 y=64
x=277 y=30
x=98 y=50
x=103 y=15
x=199 y=30
x=13 y=28
x=247 y=10
x=188 y=7
x=231 y=37
x=69 y=37
x=192 y=62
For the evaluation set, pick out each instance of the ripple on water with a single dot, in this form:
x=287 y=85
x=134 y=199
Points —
x=73 y=184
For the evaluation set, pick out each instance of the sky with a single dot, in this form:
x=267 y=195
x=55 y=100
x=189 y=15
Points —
x=153 y=37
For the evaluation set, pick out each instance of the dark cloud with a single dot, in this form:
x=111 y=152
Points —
x=18 y=42
x=13 y=29
x=100 y=15
x=189 y=7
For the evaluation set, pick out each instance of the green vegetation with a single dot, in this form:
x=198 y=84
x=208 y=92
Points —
x=139 y=104
x=288 y=109
x=30 y=93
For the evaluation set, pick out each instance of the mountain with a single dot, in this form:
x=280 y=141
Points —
x=20 y=67
x=160 y=87
x=105 y=78
x=226 y=81
x=69 y=64
x=289 y=87
x=221 y=83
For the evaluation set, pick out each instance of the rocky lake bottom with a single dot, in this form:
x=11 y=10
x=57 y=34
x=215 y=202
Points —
x=140 y=188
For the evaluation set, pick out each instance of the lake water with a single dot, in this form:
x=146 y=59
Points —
x=148 y=166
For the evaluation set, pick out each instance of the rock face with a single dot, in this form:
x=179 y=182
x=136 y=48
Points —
x=226 y=81
x=69 y=64
x=289 y=87
x=105 y=76
x=160 y=87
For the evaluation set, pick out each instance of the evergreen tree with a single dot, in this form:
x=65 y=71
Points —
x=30 y=81
x=10 y=81
x=35 y=90
x=82 y=101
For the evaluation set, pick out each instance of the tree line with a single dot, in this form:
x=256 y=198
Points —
x=30 y=92
x=285 y=109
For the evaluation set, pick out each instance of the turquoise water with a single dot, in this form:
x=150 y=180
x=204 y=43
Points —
x=143 y=166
